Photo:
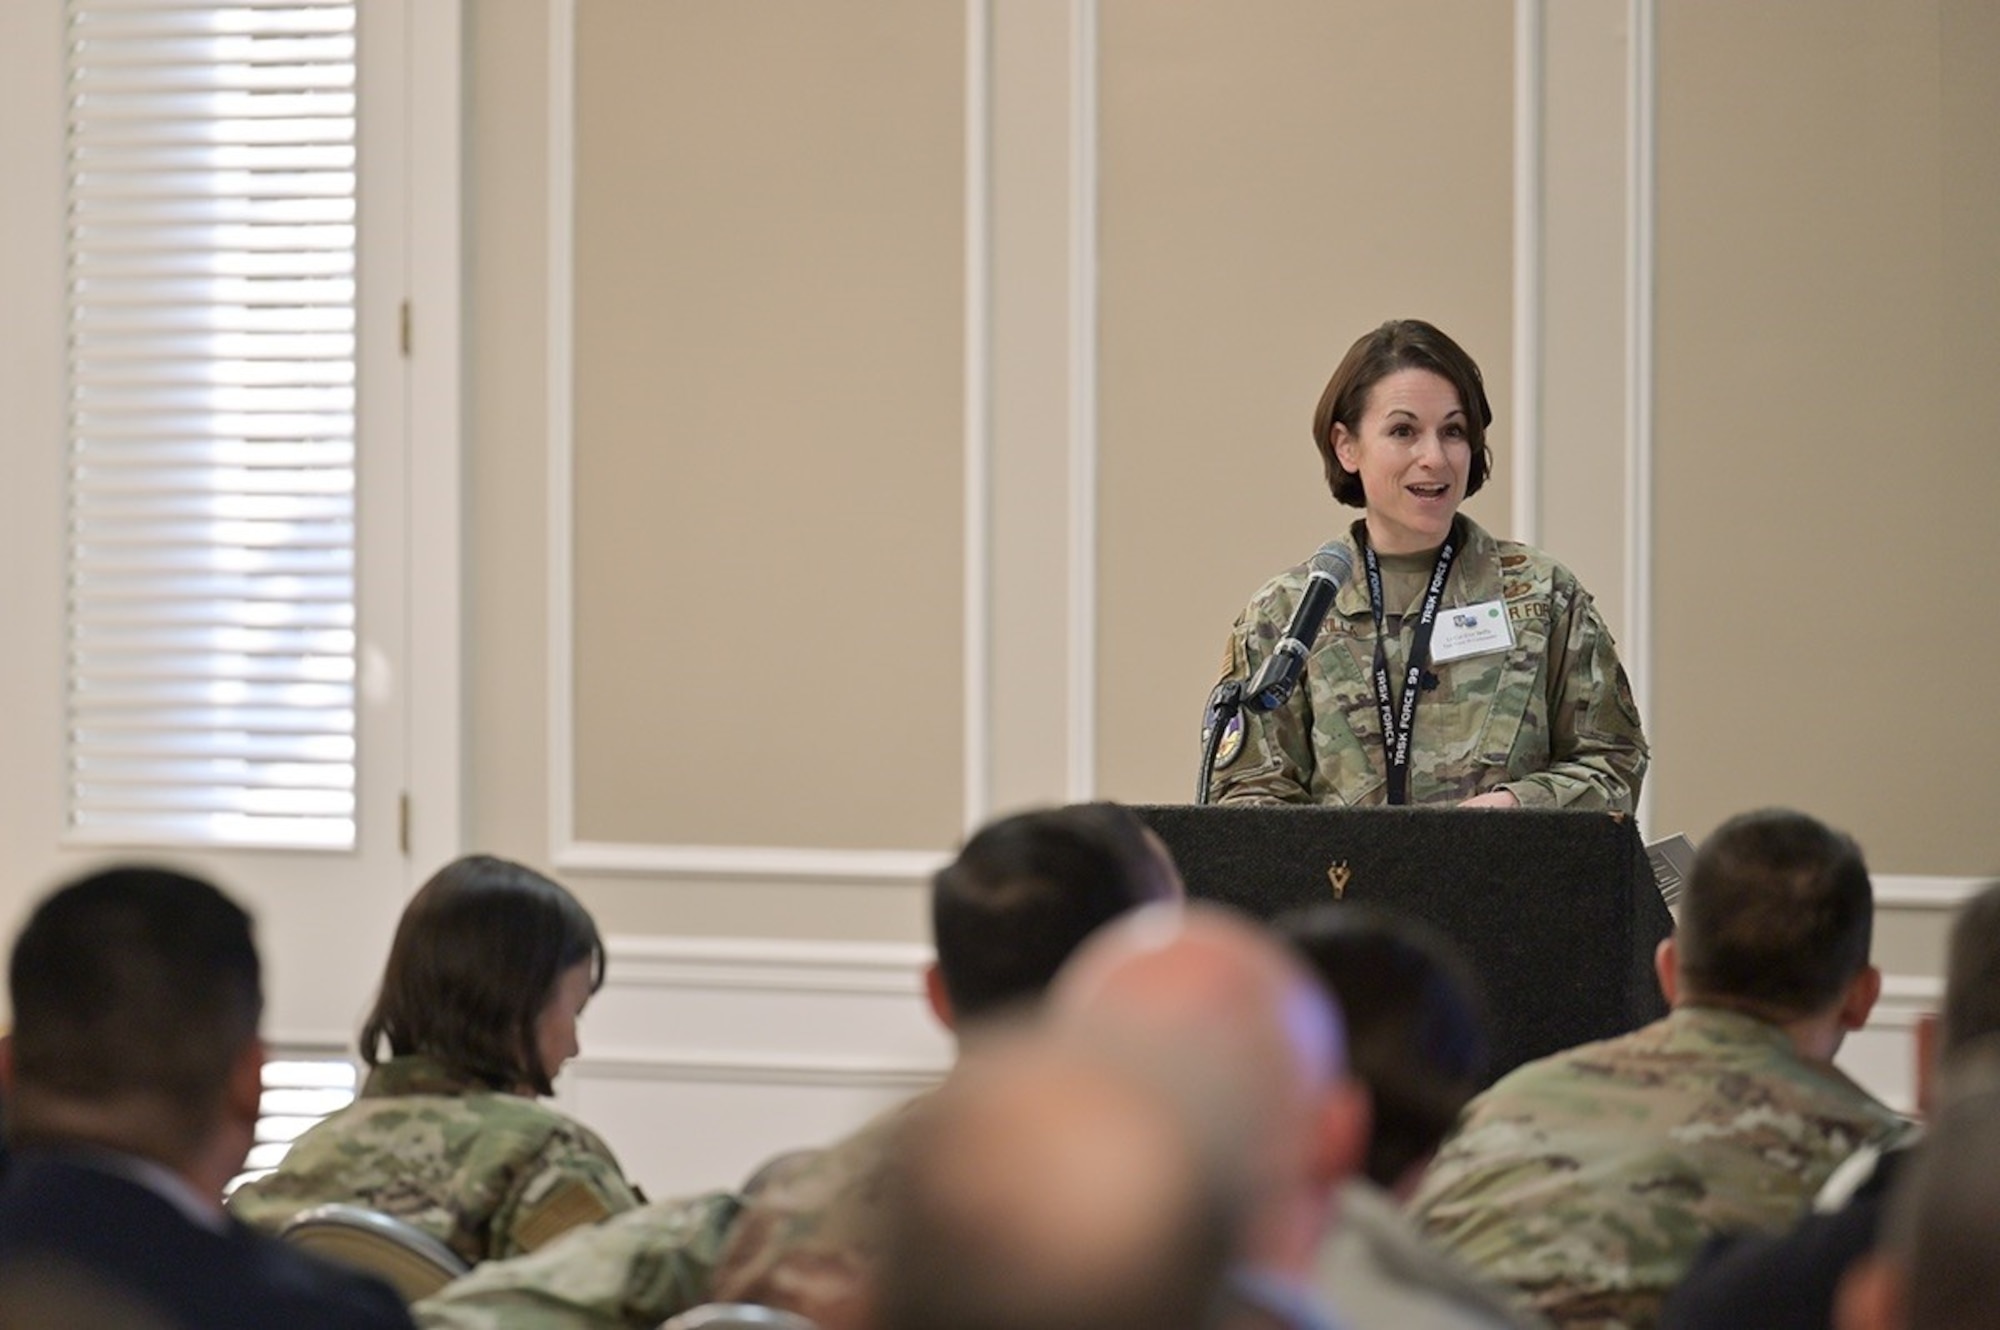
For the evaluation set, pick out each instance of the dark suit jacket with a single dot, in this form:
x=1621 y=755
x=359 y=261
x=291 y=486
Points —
x=59 y=1207
x=1785 y=1281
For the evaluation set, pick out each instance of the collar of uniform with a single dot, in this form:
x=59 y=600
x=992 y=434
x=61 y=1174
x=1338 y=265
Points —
x=1475 y=574
x=419 y=1073
x=1724 y=1026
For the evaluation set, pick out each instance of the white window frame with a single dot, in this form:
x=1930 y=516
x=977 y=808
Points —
x=422 y=87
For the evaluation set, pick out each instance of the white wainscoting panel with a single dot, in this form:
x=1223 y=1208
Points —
x=703 y=1057
x=1883 y=1056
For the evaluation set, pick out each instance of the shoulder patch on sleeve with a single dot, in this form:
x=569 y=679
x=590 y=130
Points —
x=1231 y=743
x=568 y=1206
x=1626 y=702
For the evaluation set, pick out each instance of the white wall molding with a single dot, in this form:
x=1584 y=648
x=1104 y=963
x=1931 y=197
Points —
x=1882 y=1056
x=1083 y=404
x=768 y=862
x=435 y=406
x=1905 y=998
x=681 y=1068
x=1529 y=182
x=800 y=864
x=1905 y=892
x=1641 y=183
x=749 y=1046
x=561 y=378
x=978 y=443
x=768 y=965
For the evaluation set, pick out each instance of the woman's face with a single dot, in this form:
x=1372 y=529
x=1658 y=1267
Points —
x=555 y=1028
x=1413 y=453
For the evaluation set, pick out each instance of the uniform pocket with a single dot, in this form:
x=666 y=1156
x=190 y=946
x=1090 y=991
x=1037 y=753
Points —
x=1515 y=736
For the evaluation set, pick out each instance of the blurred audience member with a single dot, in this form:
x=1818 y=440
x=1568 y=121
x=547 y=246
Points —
x=490 y=969
x=1939 y=1266
x=133 y=1076
x=1206 y=988
x=55 y=1295
x=1020 y=896
x=1588 y=1180
x=1057 y=1184
x=1416 y=1040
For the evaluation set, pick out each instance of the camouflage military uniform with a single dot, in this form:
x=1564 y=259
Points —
x=491 y=1174
x=1551 y=718
x=800 y=1242
x=1588 y=1180
x=1380 y=1271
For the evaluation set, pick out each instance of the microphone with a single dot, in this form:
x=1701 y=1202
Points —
x=1331 y=565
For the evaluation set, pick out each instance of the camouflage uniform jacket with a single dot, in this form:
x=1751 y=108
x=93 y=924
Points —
x=800 y=1242
x=1551 y=718
x=1588 y=1180
x=491 y=1174
x=1380 y=1271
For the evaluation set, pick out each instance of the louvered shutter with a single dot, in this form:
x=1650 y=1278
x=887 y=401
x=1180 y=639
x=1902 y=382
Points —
x=211 y=408
x=299 y=1092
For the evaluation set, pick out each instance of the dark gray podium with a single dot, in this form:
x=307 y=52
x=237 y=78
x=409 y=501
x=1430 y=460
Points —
x=1556 y=912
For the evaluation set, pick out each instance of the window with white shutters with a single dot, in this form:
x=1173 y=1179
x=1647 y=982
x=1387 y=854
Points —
x=300 y=1091
x=211 y=251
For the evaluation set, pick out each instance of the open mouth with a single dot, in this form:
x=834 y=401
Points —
x=1429 y=491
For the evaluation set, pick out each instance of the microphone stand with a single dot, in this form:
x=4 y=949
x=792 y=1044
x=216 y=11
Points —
x=1224 y=705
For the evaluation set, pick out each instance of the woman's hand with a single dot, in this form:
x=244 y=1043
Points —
x=1492 y=799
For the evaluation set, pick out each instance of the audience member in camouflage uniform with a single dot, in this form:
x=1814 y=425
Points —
x=1005 y=914
x=1540 y=716
x=1788 y=1281
x=1588 y=1180
x=491 y=966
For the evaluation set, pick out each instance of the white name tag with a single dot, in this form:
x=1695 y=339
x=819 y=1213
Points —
x=1470 y=630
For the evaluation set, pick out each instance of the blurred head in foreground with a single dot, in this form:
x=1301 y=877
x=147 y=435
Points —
x=1057 y=1183
x=1206 y=988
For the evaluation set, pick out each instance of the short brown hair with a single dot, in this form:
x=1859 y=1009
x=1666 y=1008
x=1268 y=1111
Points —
x=135 y=985
x=1027 y=889
x=1399 y=344
x=475 y=961
x=1777 y=915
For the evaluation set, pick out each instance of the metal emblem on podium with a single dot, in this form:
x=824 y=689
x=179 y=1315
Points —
x=1340 y=875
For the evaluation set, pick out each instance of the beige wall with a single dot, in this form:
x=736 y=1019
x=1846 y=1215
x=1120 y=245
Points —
x=1102 y=275
x=769 y=351
x=1583 y=470
x=1012 y=327
x=663 y=468
x=1258 y=215
x=1829 y=272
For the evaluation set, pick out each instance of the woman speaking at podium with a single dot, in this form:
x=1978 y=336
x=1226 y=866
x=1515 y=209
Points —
x=1451 y=668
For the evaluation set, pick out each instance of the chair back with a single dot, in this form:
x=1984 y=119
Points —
x=405 y=1257
x=736 y=1316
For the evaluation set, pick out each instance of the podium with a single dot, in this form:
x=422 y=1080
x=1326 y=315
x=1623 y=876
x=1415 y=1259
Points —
x=1556 y=913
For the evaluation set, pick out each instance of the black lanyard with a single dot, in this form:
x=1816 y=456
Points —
x=1399 y=721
